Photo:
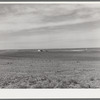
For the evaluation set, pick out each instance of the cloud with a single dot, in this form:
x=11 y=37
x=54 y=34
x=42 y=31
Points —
x=47 y=25
x=20 y=17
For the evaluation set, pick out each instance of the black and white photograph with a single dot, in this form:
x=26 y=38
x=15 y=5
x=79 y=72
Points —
x=50 y=46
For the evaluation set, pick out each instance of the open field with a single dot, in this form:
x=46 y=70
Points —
x=52 y=69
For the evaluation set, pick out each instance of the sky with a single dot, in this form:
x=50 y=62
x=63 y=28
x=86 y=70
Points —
x=47 y=26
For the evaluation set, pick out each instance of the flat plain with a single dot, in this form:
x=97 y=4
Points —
x=55 y=68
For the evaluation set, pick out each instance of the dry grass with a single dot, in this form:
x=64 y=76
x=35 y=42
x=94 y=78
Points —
x=30 y=81
x=49 y=70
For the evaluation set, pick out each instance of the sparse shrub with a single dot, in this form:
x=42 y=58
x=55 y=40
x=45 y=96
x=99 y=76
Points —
x=9 y=62
x=62 y=84
x=92 y=79
x=77 y=61
x=74 y=86
x=72 y=81
x=85 y=86
x=32 y=82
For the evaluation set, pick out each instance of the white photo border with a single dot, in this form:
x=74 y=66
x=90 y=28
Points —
x=49 y=93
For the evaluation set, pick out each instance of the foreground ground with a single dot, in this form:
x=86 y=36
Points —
x=52 y=69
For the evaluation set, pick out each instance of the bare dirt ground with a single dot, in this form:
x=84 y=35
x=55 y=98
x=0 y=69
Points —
x=52 y=69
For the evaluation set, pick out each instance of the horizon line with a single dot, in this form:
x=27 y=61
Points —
x=54 y=48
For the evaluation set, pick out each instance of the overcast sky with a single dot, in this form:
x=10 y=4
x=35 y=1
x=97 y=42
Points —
x=33 y=26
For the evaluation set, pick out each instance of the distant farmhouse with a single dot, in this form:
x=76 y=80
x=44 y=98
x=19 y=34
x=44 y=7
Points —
x=40 y=50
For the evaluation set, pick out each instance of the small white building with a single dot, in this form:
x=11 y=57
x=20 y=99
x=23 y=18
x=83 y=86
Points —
x=39 y=50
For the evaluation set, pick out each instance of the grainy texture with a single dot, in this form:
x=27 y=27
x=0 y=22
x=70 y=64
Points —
x=50 y=69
